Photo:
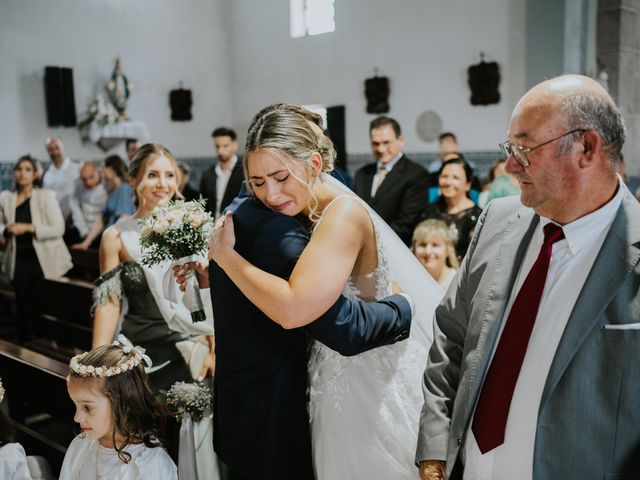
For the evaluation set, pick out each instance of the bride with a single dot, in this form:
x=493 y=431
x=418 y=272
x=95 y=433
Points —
x=364 y=410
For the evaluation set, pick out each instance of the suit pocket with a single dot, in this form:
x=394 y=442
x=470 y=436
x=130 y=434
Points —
x=622 y=326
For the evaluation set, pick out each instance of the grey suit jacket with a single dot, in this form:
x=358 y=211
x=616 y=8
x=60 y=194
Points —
x=589 y=416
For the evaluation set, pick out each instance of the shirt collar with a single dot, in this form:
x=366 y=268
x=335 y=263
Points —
x=232 y=164
x=586 y=230
x=65 y=163
x=392 y=163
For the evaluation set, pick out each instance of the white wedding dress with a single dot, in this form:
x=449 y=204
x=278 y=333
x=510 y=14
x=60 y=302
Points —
x=365 y=410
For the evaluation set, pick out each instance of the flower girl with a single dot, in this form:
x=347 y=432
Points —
x=118 y=415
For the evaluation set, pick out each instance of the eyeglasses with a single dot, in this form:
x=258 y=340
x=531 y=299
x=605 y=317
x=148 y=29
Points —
x=520 y=153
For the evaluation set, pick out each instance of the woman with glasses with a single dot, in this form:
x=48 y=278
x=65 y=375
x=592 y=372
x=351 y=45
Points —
x=454 y=205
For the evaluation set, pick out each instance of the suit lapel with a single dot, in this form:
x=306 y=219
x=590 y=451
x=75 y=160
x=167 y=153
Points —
x=234 y=183
x=618 y=256
x=34 y=206
x=11 y=209
x=365 y=180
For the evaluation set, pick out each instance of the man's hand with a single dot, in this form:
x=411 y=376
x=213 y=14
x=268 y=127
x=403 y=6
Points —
x=182 y=272
x=208 y=367
x=432 y=470
x=395 y=288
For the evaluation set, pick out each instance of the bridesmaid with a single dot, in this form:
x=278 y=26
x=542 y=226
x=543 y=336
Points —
x=132 y=292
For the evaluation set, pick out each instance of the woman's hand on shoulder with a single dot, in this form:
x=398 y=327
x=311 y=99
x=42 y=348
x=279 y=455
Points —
x=223 y=238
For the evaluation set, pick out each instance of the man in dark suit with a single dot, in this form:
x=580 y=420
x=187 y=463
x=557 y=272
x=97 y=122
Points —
x=394 y=186
x=221 y=183
x=532 y=373
x=261 y=369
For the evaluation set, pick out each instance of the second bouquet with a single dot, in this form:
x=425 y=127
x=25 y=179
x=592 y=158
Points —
x=178 y=232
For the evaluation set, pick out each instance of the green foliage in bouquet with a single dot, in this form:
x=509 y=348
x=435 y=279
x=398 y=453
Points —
x=185 y=398
x=175 y=230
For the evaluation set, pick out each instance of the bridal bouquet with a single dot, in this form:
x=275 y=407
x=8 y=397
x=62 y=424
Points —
x=178 y=232
x=188 y=399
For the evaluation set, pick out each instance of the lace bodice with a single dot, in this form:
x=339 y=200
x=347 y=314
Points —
x=364 y=410
x=373 y=286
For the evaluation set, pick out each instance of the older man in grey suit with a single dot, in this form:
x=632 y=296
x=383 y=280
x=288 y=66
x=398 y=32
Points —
x=534 y=371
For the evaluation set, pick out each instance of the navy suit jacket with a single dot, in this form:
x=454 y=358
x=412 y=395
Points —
x=261 y=427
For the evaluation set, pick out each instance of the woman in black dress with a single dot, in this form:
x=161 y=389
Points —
x=128 y=297
x=32 y=227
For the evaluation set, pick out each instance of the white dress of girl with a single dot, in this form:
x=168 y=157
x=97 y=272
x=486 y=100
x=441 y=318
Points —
x=13 y=462
x=365 y=410
x=86 y=458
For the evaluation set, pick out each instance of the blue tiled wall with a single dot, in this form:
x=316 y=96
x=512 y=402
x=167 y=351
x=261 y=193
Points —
x=482 y=160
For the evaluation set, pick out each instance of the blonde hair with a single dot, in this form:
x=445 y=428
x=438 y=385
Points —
x=292 y=134
x=441 y=229
x=145 y=154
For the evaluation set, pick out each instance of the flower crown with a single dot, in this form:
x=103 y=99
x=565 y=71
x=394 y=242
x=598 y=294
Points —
x=136 y=354
x=1 y=391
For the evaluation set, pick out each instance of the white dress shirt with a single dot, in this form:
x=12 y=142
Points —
x=222 y=179
x=571 y=262
x=62 y=181
x=86 y=206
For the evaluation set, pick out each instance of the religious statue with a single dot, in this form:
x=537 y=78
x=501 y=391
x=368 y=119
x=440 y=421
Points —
x=118 y=89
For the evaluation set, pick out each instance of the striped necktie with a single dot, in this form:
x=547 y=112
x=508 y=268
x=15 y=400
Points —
x=378 y=179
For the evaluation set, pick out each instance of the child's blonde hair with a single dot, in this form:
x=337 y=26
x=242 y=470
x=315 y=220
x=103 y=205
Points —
x=440 y=228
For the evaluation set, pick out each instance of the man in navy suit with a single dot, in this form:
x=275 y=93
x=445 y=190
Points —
x=261 y=427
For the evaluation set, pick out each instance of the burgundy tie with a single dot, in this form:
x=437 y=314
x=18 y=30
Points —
x=490 y=418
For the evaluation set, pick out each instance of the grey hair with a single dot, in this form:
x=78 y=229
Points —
x=53 y=138
x=599 y=113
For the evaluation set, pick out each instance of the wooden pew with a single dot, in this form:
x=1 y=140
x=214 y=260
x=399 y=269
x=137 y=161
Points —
x=86 y=264
x=65 y=324
x=39 y=404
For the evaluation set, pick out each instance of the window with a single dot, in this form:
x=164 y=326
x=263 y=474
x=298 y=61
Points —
x=320 y=110
x=311 y=17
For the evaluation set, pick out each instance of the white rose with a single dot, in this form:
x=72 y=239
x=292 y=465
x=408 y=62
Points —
x=196 y=220
x=161 y=226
